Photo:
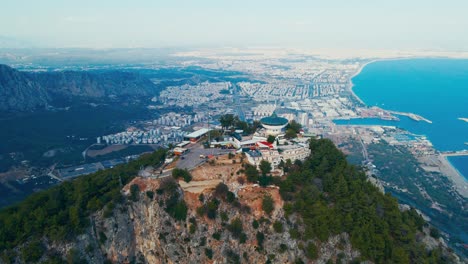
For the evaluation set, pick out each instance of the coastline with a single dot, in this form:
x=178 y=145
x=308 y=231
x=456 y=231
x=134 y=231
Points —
x=351 y=84
x=446 y=167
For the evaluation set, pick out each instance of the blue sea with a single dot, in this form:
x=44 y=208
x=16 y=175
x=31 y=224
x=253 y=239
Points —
x=436 y=89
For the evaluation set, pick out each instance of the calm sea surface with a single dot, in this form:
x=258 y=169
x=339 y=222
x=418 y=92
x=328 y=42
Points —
x=437 y=89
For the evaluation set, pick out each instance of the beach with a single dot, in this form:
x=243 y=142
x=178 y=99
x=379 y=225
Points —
x=459 y=182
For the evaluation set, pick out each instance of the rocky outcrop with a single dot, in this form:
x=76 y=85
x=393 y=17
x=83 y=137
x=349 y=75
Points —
x=164 y=221
x=143 y=232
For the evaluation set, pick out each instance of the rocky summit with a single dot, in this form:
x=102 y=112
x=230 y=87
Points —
x=321 y=210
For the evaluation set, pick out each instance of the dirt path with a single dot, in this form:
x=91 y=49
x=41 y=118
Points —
x=198 y=186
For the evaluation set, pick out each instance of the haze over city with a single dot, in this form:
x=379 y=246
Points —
x=409 y=25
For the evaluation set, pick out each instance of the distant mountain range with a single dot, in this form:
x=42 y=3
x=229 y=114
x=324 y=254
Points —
x=27 y=91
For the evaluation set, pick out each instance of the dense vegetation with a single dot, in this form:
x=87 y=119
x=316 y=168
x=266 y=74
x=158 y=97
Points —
x=399 y=167
x=230 y=121
x=332 y=196
x=62 y=212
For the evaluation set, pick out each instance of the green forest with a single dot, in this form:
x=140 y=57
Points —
x=61 y=212
x=333 y=196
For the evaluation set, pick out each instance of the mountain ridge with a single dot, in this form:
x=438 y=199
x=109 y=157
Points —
x=27 y=91
x=19 y=92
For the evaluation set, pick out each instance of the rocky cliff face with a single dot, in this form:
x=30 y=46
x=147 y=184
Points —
x=23 y=91
x=92 y=84
x=144 y=232
x=216 y=229
x=214 y=218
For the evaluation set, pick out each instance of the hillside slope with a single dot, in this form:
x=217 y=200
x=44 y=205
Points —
x=323 y=210
x=19 y=92
x=26 y=91
x=94 y=84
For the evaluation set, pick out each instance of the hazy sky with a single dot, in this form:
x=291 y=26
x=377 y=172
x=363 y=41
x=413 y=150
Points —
x=368 y=24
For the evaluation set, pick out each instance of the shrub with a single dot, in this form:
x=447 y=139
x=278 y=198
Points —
x=283 y=248
x=278 y=227
x=230 y=197
x=150 y=194
x=168 y=185
x=265 y=167
x=192 y=229
x=224 y=216
x=232 y=257
x=201 y=211
x=109 y=209
x=180 y=211
x=221 y=190
x=251 y=172
x=242 y=238
x=255 y=224
x=209 y=253
x=134 y=192
x=311 y=251
x=271 y=139
x=294 y=233
x=180 y=173
x=211 y=208
x=268 y=204
x=217 y=235
x=202 y=241
x=235 y=227
x=434 y=232
x=260 y=238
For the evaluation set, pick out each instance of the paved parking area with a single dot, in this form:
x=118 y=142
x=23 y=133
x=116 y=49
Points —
x=191 y=159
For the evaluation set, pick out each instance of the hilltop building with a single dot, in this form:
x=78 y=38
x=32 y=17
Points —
x=274 y=124
x=275 y=154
